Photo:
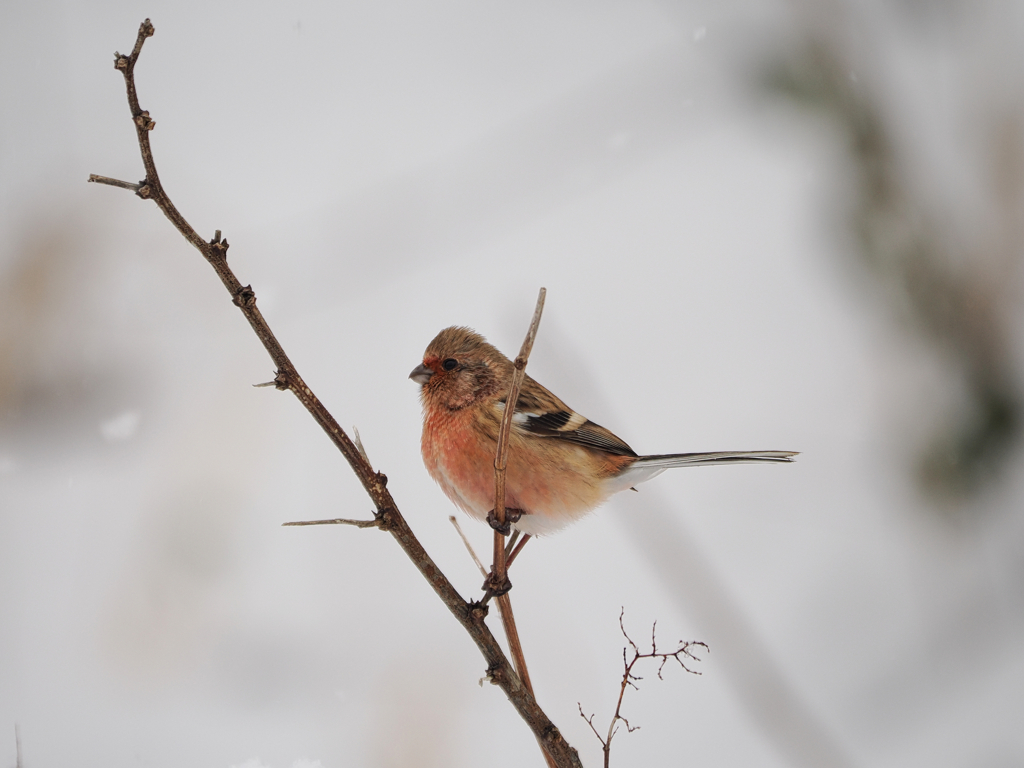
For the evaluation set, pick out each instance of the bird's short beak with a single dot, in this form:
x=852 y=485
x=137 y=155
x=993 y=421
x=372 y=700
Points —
x=421 y=374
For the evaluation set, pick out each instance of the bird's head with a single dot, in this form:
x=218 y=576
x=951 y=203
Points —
x=461 y=369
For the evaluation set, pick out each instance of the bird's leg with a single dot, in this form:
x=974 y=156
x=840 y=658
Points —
x=511 y=516
x=493 y=587
x=512 y=556
x=511 y=543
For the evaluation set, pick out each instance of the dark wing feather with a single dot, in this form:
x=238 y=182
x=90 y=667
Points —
x=539 y=412
x=547 y=423
x=593 y=435
x=588 y=434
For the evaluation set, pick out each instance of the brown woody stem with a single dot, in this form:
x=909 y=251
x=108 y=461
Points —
x=470 y=615
x=500 y=568
x=501 y=457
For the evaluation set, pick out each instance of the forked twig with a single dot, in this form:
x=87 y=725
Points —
x=629 y=679
x=471 y=615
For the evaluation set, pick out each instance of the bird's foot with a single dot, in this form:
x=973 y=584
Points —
x=511 y=516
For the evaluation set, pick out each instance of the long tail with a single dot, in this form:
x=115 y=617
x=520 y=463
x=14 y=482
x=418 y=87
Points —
x=647 y=467
x=666 y=460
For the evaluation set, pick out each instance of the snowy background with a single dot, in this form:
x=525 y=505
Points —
x=762 y=225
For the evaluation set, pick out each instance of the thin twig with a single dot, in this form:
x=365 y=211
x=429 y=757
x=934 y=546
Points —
x=359 y=445
x=501 y=455
x=511 y=543
x=499 y=572
x=629 y=679
x=469 y=547
x=340 y=521
x=387 y=516
x=114 y=182
x=515 y=552
x=590 y=722
x=508 y=621
x=504 y=611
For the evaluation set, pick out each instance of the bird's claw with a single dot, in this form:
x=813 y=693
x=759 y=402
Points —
x=511 y=516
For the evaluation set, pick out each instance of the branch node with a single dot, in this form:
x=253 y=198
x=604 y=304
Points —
x=383 y=518
x=382 y=479
x=504 y=528
x=144 y=190
x=280 y=381
x=495 y=587
x=120 y=61
x=552 y=733
x=144 y=121
x=146 y=29
x=246 y=297
x=477 y=610
x=218 y=247
x=495 y=674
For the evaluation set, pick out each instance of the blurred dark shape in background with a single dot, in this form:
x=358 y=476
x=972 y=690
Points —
x=954 y=285
x=57 y=374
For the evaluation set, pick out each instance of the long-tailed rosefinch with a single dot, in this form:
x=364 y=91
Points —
x=560 y=464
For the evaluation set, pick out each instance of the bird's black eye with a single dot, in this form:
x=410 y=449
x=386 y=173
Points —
x=450 y=364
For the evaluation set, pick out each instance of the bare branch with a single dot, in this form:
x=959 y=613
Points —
x=629 y=676
x=387 y=516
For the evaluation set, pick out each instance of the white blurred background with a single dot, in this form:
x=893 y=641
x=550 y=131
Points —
x=762 y=225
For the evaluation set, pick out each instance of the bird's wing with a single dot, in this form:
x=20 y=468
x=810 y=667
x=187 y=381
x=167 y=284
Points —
x=540 y=413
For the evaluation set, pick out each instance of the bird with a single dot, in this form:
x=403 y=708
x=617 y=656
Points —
x=561 y=465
